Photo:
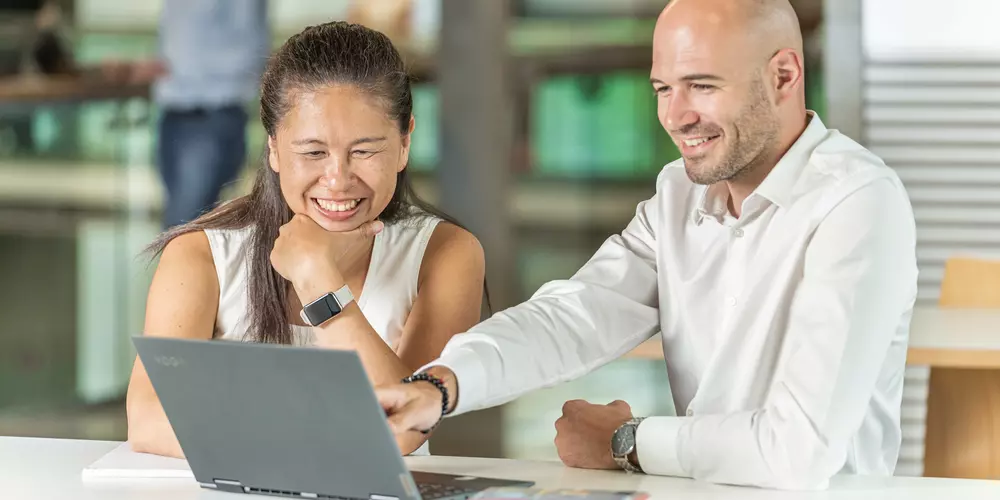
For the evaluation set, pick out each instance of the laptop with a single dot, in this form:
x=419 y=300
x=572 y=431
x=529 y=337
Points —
x=286 y=421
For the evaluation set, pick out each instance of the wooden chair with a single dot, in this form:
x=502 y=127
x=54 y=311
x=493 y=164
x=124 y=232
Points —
x=965 y=395
x=970 y=283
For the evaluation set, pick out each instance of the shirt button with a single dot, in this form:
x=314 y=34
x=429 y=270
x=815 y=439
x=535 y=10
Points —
x=738 y=233
x=731 y=301
x=690 y=412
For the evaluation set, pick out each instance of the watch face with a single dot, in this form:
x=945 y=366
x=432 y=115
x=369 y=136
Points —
x=321 y=310
x=623 y=441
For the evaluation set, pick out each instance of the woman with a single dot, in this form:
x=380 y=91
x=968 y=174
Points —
x=331 y=206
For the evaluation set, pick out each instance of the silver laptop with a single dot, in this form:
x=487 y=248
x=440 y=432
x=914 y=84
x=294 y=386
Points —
x=286 y=421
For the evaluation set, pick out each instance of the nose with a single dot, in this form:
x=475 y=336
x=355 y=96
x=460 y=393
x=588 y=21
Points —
x=678 y=113
x=336 y=174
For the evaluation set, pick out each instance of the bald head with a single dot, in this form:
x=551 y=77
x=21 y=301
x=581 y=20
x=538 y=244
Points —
x=760 y=26
x=729 y=76
x=772 y=23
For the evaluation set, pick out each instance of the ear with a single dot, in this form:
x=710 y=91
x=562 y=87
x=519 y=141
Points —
x=272 y=153
x=787 y=74
x=404 y=155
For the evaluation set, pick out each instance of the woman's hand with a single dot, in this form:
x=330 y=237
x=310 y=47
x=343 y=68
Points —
x=305 y=252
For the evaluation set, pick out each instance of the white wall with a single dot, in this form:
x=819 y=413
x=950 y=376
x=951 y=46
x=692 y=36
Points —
x=968 y=29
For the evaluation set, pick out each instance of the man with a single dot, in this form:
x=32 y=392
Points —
x=777 y=260
x=215 y=51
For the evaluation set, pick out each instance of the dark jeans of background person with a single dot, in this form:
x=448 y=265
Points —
x=200 y=151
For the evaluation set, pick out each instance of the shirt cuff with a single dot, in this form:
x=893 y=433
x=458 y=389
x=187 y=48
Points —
x=657 y=443
x=469 y=374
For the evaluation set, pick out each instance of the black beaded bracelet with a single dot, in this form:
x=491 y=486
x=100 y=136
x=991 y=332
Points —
x=424 y=377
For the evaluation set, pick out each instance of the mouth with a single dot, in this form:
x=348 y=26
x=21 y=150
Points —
x=338 y=210
x=697 y=146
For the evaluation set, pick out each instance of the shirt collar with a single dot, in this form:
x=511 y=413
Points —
x=779 y=183
x=713 y=200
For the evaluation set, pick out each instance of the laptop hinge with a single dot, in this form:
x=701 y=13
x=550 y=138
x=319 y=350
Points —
x=381 y=497
x=229 y=485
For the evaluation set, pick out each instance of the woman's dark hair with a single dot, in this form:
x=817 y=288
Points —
x=328 y=54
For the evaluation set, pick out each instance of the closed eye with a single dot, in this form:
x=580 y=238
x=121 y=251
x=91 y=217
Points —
x=314 y=154
x=661 y=90
x=703 y=86
x=363 y=153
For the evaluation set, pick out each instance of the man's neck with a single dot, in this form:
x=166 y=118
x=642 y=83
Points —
x=741 y=187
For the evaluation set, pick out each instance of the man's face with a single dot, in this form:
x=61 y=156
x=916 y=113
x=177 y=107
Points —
x=713 y=100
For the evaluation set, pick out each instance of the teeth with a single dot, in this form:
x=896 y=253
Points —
x=334 y=206
x=695 y=142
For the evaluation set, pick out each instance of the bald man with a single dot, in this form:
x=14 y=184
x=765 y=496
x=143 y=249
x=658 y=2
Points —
x=776 y=260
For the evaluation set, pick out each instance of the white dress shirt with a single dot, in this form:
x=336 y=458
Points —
x=784 y=331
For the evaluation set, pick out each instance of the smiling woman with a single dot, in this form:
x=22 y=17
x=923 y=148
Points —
x=331 y=219
x=340 y=169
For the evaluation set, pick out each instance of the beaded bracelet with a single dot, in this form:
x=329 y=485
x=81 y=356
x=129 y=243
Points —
x=424 y=377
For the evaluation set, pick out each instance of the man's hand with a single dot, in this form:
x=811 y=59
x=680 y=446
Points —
x=583 y=433
x=416 y=406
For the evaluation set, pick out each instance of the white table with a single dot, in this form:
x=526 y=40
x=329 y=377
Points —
x=955 y=338
x=50 y=469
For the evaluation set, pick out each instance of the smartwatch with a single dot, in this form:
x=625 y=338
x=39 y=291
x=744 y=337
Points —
x=326 y=307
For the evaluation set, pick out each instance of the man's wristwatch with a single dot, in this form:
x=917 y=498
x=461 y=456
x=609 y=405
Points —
x=623 y=445
x=326 y=307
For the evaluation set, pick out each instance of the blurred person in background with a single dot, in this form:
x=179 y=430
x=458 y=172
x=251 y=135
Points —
x=331 y=216
x=777 y=260
x=214 y=52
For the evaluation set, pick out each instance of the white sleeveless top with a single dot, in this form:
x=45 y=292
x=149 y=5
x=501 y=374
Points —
x=386 y=299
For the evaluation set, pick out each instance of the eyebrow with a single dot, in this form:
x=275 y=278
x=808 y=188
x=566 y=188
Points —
x=363 y=140
x=313 y=140
x=690 y=78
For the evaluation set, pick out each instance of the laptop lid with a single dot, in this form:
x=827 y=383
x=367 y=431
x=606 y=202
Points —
x=279 y=419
